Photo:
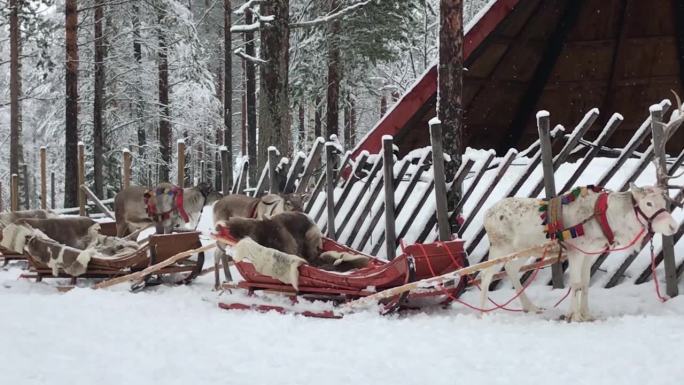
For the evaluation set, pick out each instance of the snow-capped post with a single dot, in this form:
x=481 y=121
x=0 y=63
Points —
x=388 y=180
x=180 y=153
x=81 y=179
x=311 y=164
x=126 y=168
x=14 y=193
x=52 y=190
x=273 y=187
x=225 y=170
x=659 y=141
x=440 y=179
x=43 y=178
x=544 y=127
x=330 y=188
x=294 y=172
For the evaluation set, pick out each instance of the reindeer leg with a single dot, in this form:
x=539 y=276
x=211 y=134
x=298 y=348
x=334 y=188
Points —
x=513 y=273
x=485 y=281
x=586 y=277
x=577 y=289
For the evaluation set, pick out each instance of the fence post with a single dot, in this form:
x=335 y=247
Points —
x=52 y=190
x=43 y=178
x=388 y=174
x=180 y=153
x=330 y=187
x=273 y=187
x=81 y=179
x=225 y=170
x=14 y=193
x=659 y=141
x=544 y=124
x=27 y=198
x=440 y=180
x=127 y=160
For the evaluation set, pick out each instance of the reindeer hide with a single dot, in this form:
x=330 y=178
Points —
x=281 y=266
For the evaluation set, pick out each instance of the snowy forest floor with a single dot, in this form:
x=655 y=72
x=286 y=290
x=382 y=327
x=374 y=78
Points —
x=177 y=335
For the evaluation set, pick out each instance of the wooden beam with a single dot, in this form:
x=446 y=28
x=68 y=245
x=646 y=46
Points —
x=14 y=193
x=98 y=203
x=127 y=160
x=553 y=49
x=330 y=188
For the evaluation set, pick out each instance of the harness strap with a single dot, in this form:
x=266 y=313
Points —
x=600 y=210
x=179 y=204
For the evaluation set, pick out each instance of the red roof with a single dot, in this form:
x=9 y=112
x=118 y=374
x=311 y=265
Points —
x=426 y=86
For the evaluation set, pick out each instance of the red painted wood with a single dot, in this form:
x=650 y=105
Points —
x=426 y=87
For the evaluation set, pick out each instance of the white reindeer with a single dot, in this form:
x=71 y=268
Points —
x=514 y=224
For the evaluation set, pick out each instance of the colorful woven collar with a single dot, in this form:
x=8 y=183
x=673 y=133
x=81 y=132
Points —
x=552 y=213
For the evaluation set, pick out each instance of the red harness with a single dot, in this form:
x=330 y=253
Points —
x=177 y=193
x=600 y=209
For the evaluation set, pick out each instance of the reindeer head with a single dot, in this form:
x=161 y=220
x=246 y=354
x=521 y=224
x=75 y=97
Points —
x=164 y=207
x=650 y=203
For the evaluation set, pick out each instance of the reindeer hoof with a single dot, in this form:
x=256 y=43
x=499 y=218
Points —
x=534 y=309
x=577 y=317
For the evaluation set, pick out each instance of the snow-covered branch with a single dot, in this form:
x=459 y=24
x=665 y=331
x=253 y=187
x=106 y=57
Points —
x=247 y=5
x=241 y=53
x=331 y=16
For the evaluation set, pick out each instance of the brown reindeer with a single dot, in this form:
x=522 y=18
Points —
x=166 y=207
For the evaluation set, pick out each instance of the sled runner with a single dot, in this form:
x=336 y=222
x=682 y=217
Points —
x=417 y=262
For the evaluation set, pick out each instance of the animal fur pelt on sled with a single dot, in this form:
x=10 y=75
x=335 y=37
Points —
x=281 y=266
x=341 y=261
x=13 y=216
x=74 y=261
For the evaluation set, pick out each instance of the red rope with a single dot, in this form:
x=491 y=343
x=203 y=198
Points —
x=655 y=277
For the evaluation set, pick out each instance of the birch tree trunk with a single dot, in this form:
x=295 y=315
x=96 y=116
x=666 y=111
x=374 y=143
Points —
x=71 y=113
x=450 y=91
x=99 y=90
x=250 y=74
x=274 y=105
x=164 y=114
x=334 y=74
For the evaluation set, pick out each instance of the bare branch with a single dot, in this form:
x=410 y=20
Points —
x=331 y=16
x=241 y=53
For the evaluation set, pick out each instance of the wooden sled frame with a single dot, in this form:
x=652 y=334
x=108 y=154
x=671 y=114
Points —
x=158 y=249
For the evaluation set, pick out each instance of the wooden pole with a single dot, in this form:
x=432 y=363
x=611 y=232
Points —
x=659 y=141
x=180 y=179
x=81 y=179
x=330 y=188
x=98 y=203
x=127 y=160
x=544 y=124
x=388 y=179
x=14 y=194
x=43 y=178
x=225 y=170
x=52 y=190
x=440 y=180
x=27 y=198
x=273 y=187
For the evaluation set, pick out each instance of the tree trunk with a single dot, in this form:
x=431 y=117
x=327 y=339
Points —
x=228 y=90
x=139 y=107
x=350 y=122
x=301 y=137
x=16 y=151
x=317 y=118
x=71 y=118
x=450 y=91
x=383 y=105
x=274 y=105
x=98 y=129
x=164 y=114
x=250 y=74
x=334 y=74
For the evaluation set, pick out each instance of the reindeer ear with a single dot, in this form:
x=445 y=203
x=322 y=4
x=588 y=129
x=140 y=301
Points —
x=637 y=192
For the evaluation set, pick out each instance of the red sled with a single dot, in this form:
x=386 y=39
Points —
x=417 y=261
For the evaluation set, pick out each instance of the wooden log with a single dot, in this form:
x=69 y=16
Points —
x=546 y=248
x=98 y=203
x=605 y=134
x=52 y=190
x=24 y=172
x=294 y=172
x=81 y=179
x=312 y=162
x=273 y=186
x=330 y=188
x=388 y=179
x=543 y=124
x=43 y=178
x=139 y=275
x=503 y=167
x=659 y=142
x=126 y=168
x=443 y=226
x=225 y=170
x=14 y=193
x=180 y=172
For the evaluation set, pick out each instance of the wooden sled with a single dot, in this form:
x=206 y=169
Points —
x=417 y=262
x=159 y=248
